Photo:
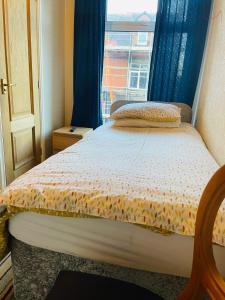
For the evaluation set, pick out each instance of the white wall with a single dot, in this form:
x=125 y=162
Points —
x=203 y=65
x=52 y=37
x=211 y=109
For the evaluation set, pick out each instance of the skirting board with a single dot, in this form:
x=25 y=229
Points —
x=6 y=277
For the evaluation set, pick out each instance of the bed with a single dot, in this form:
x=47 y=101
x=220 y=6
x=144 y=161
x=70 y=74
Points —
x=122 y=203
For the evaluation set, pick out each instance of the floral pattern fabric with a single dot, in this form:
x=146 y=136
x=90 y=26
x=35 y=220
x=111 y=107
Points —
x=146 y=176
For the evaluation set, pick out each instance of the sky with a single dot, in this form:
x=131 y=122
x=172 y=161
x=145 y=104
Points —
x=134 y=6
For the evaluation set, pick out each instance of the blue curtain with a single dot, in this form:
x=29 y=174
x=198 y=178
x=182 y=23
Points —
x=89 y=32
x=180 y=32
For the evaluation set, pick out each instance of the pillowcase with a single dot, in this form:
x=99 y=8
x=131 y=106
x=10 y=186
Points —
x=151 y=111
x=144 y=123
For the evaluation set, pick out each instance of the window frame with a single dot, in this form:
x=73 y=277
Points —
x=121 y=26
x=142 y=43
x=130 y=76
x=138 y=71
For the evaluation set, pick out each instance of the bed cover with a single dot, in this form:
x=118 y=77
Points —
x=149 y=177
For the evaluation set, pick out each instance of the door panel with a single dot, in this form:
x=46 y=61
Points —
x=20 y=107
x=23 y=148
x=18 y=57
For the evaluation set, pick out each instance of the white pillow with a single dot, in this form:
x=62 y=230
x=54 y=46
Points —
x=128 y=122
x=152 y=111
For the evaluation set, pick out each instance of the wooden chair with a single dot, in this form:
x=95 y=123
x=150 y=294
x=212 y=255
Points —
x=205 y=277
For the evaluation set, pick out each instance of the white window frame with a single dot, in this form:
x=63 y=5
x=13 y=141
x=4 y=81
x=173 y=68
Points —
x=139 y=79
x=138 y=71
x=129 y=26
x=131 y=72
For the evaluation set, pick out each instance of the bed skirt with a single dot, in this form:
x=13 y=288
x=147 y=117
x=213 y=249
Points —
x=35 y=271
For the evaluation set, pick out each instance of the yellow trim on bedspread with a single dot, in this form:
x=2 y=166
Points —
x=12 y=210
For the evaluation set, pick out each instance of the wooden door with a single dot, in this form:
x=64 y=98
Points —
x=19 y=72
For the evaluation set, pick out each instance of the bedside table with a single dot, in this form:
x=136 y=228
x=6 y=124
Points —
x=63 y=138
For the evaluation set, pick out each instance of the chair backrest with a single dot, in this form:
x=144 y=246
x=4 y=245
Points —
x=205 y=277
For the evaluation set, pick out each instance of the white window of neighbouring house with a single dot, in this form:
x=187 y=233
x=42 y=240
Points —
x=139 y=76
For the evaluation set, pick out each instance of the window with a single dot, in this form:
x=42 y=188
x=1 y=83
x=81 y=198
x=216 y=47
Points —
x=138 y=76
x=142 y=38
x=133 y=80
x=128 y=47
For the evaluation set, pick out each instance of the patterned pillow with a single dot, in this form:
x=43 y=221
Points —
x=152 y=111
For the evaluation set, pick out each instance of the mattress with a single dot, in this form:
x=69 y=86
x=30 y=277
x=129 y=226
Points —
x=109 y=241
x=146 y=176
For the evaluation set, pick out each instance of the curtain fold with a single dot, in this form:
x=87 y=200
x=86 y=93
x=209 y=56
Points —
x=180 y=33
x=89 y=33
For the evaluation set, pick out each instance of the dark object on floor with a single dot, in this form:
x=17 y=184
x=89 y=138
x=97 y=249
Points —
x=81 y=286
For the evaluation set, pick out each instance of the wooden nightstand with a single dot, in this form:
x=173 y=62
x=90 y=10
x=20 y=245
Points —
x=63 y=137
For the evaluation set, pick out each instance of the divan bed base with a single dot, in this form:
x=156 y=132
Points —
x=35 y=271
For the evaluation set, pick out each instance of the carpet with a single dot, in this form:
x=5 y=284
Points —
x=35 y=271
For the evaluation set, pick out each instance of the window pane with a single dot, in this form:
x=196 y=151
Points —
x=132 y=11
x=134 y=66
x=143 y=80
x=134 y=80
x=144 y=67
